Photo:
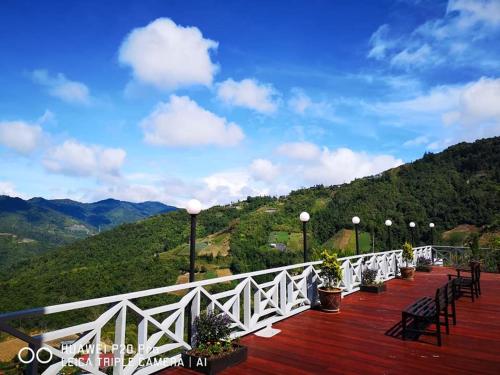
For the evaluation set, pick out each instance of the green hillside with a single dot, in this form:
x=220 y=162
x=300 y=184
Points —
x=28 y=227
x=458 y=186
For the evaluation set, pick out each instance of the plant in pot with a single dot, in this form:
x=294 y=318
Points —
x=330 y=294
x=407 y=272
x=213 y=350
x=423 y=264
x=369 y=282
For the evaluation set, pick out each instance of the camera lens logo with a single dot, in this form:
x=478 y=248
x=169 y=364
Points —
x=31 y=355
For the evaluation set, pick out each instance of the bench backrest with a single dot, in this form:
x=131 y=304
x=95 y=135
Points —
x=441 y=297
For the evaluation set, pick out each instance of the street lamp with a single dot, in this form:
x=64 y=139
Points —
x=431 y=226
x=193 y=208
x=412 y=229
x=304 y=217
x=355 y=221
x=388 y=224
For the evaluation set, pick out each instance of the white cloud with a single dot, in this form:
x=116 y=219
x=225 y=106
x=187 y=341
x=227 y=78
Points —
x=20 y=136
x=380 y=43
x=75 y=159
x=420 y=140
x=300 y=150
x=8 y=188
x=450 y=113
x=466 y=34
x=167 y=56
x=264 y=170
x=248 y=93
x=181 y=122
x=409 y=58
x=344 y=165
x=60 y=87
x=302 y=104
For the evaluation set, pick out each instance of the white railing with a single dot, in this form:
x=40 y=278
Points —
x=162 y=331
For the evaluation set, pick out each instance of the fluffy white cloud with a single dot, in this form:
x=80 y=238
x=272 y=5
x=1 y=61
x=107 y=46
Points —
x=344 y=165
x=302 y=104
x=248 y=93
x=408 y=58
x=264 y=170
x=76 y=159
x=181 y=122
x=60 y=87
x=450 y=113
x=300 y=150
x=168 y=56
x=20 y=136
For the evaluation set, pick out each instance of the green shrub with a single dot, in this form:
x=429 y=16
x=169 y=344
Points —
x=331 y=272
x=407 y=253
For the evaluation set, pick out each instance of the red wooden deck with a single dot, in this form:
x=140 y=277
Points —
x=361 y=339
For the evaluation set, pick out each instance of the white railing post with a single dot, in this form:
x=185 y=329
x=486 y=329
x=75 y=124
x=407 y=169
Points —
x=119 y=354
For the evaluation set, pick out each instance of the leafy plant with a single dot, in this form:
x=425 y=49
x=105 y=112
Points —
x=407 y=253
x=423 y=264
x=368 y=277
x=212 y=335
x=331 y=271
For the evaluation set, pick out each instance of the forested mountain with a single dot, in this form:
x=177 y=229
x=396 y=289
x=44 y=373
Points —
x=460 y=185
x=35 y=225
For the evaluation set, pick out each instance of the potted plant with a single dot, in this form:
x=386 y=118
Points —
x=423 y=264
x=369 y=282
x=407 y=272
x=330 y=294
x=213 y=350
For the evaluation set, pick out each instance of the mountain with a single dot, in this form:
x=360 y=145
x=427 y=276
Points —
x=35 y=225
x=458 y=186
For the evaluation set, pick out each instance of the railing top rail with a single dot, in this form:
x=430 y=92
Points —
x=163 y=290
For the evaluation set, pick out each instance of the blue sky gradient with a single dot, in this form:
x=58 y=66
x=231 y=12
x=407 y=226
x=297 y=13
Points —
x=169 y=100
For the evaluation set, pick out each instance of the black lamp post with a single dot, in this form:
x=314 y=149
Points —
x=388 y=224
x=412 y=233
x=355 y=221
x=431 y=226
x=304 y=217
x=193 y=208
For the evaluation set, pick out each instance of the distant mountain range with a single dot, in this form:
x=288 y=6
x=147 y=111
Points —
x=34 y=225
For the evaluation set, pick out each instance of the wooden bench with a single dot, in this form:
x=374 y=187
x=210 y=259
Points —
x=428 y=310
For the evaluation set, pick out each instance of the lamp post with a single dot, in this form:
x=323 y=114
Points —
x=304 y=217
x=355 y=221
x=431 y=226
x=412 y=230
x=388 y=224
x=193 y=208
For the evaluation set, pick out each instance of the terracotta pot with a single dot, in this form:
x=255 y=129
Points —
x=330 y=299
x=407 y=273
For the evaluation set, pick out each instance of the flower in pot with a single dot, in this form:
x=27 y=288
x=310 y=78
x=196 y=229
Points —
x=214 y=350
x=331 y=274
x=407 y=272
x=369 y=282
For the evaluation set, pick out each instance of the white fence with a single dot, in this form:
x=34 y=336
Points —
x=250 y=304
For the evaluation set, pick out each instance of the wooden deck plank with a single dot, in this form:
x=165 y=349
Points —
x=356 y=341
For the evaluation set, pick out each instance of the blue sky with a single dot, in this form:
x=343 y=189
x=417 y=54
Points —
x=217 y=100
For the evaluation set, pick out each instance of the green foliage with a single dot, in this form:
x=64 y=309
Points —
x=331 y=272
x=368 y=277
x=210 y=327
x=407 y=254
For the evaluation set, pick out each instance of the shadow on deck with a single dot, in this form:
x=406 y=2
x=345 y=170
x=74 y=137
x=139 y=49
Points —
x=365 y=337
